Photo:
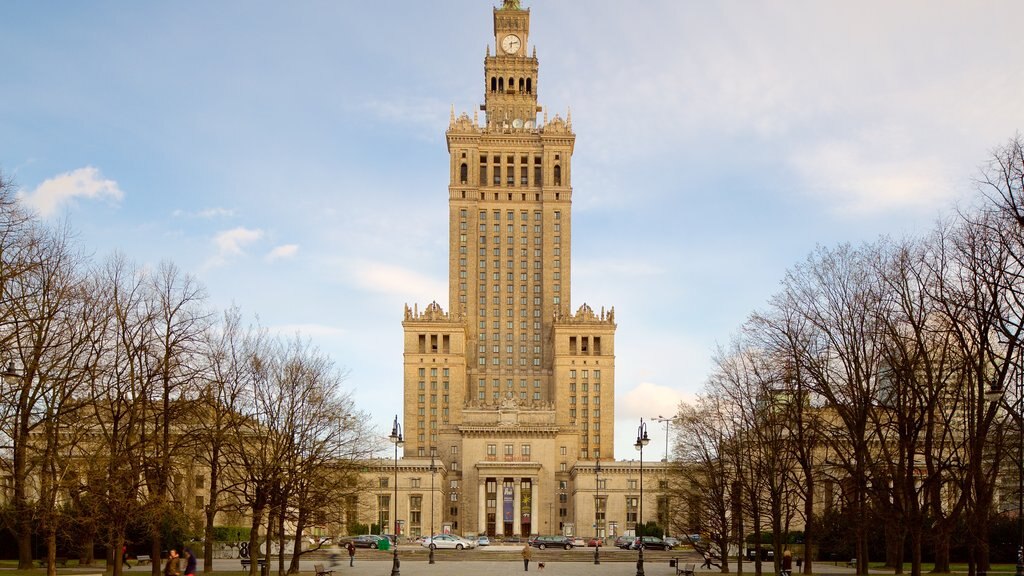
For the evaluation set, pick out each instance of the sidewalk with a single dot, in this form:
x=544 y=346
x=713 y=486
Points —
x=612 y=563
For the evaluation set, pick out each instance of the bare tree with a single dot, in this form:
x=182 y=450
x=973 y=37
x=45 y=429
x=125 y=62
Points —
x=708 y=443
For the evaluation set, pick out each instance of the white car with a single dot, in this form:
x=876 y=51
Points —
x=447 y=541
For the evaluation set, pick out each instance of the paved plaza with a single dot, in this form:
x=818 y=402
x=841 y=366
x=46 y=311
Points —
x=505 y=561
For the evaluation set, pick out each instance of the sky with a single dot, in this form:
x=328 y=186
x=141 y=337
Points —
x=291 y=155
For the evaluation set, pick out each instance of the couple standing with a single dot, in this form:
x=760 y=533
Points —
x=173 y=566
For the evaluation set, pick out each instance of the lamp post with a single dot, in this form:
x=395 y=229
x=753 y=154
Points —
x=1020 y=472
x=597 y=510
x=641 y=441
x=432 y=470
x=396 y=438
x=667 y=422
x=994 y=395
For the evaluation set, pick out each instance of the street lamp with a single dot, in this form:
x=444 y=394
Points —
x=597 y=510
x=432 y=470
x=396 y=438
x=667 y=421
x=641 y=441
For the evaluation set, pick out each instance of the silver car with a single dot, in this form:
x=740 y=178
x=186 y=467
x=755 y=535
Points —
x=447 y=541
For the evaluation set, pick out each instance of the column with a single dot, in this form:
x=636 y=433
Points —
x=534 y=507
x=499 y=520
x=517 y=513
x=481 y=507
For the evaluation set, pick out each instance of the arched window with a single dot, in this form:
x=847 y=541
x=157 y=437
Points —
x=463 y=173
x=511 y=84
x=494 y=83
x=501 y=84
x=558 y=175
x=521 y=84
x=529 y=85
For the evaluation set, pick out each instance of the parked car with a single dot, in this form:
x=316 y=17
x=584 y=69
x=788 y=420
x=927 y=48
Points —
x=651 y=543
x=556 y=541
x=579 y=542
x=672 y=541
x=483 y=541
x=595 y=542
x=364 y=541
x=447 y=541
x=624 y=542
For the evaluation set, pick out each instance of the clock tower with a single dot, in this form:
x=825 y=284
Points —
x=509 y=387
x=510 y=75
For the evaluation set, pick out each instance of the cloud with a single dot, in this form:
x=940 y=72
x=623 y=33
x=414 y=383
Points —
x=282 y=252
x=232 y=243
x=318 y=331
x=389 y=279
x=872 y=174
x=207 y=213
x=86 y=182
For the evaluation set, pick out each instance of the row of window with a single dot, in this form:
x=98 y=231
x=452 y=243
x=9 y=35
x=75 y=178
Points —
x=496 y=325
x=584 y=374
x=496 y=361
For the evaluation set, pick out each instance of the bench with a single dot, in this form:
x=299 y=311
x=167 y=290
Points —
x=852 y=563
x=246 y=562
x=142 y=559
x=59 y=561
x=682 y=569
x=320 y=571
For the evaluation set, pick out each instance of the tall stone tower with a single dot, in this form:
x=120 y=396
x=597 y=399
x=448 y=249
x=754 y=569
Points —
x=509 y=387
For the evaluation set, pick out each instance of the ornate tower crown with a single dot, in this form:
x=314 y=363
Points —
x=511 y=75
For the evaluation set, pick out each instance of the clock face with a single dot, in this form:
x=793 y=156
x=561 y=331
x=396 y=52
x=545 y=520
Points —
x=510 y=44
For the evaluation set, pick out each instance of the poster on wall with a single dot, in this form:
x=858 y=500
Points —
x=507 y=494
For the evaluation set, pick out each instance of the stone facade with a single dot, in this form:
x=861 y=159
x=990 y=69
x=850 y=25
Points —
x=510 y=386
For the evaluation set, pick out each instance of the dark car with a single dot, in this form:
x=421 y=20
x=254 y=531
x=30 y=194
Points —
x=543 y=542
x=624 y=542
x=651 y=543
x=364 y=541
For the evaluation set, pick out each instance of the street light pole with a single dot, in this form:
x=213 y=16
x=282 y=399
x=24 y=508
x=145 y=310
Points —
x=432 y=470
x=668 y=421
x=396 y=438
x=1020 y=473
x=641 y=441
x=597 y=510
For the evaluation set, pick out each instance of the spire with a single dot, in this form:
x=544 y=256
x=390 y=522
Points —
x=451 y=118
x=568 y=118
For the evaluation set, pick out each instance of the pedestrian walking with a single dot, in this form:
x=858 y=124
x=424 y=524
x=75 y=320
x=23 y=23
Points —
x=190 y=562
x=351 y=553
x=707 y=560
x=527 y=555
x=173 y=566
x=124 y=556
x=787 y=563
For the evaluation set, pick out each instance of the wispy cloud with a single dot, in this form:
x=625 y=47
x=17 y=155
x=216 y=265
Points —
x=206 y=214
x=867 y=176
x=60 y=190
x=232 y=243
x=310 y=330
x=282 y=252
x=390 y=279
